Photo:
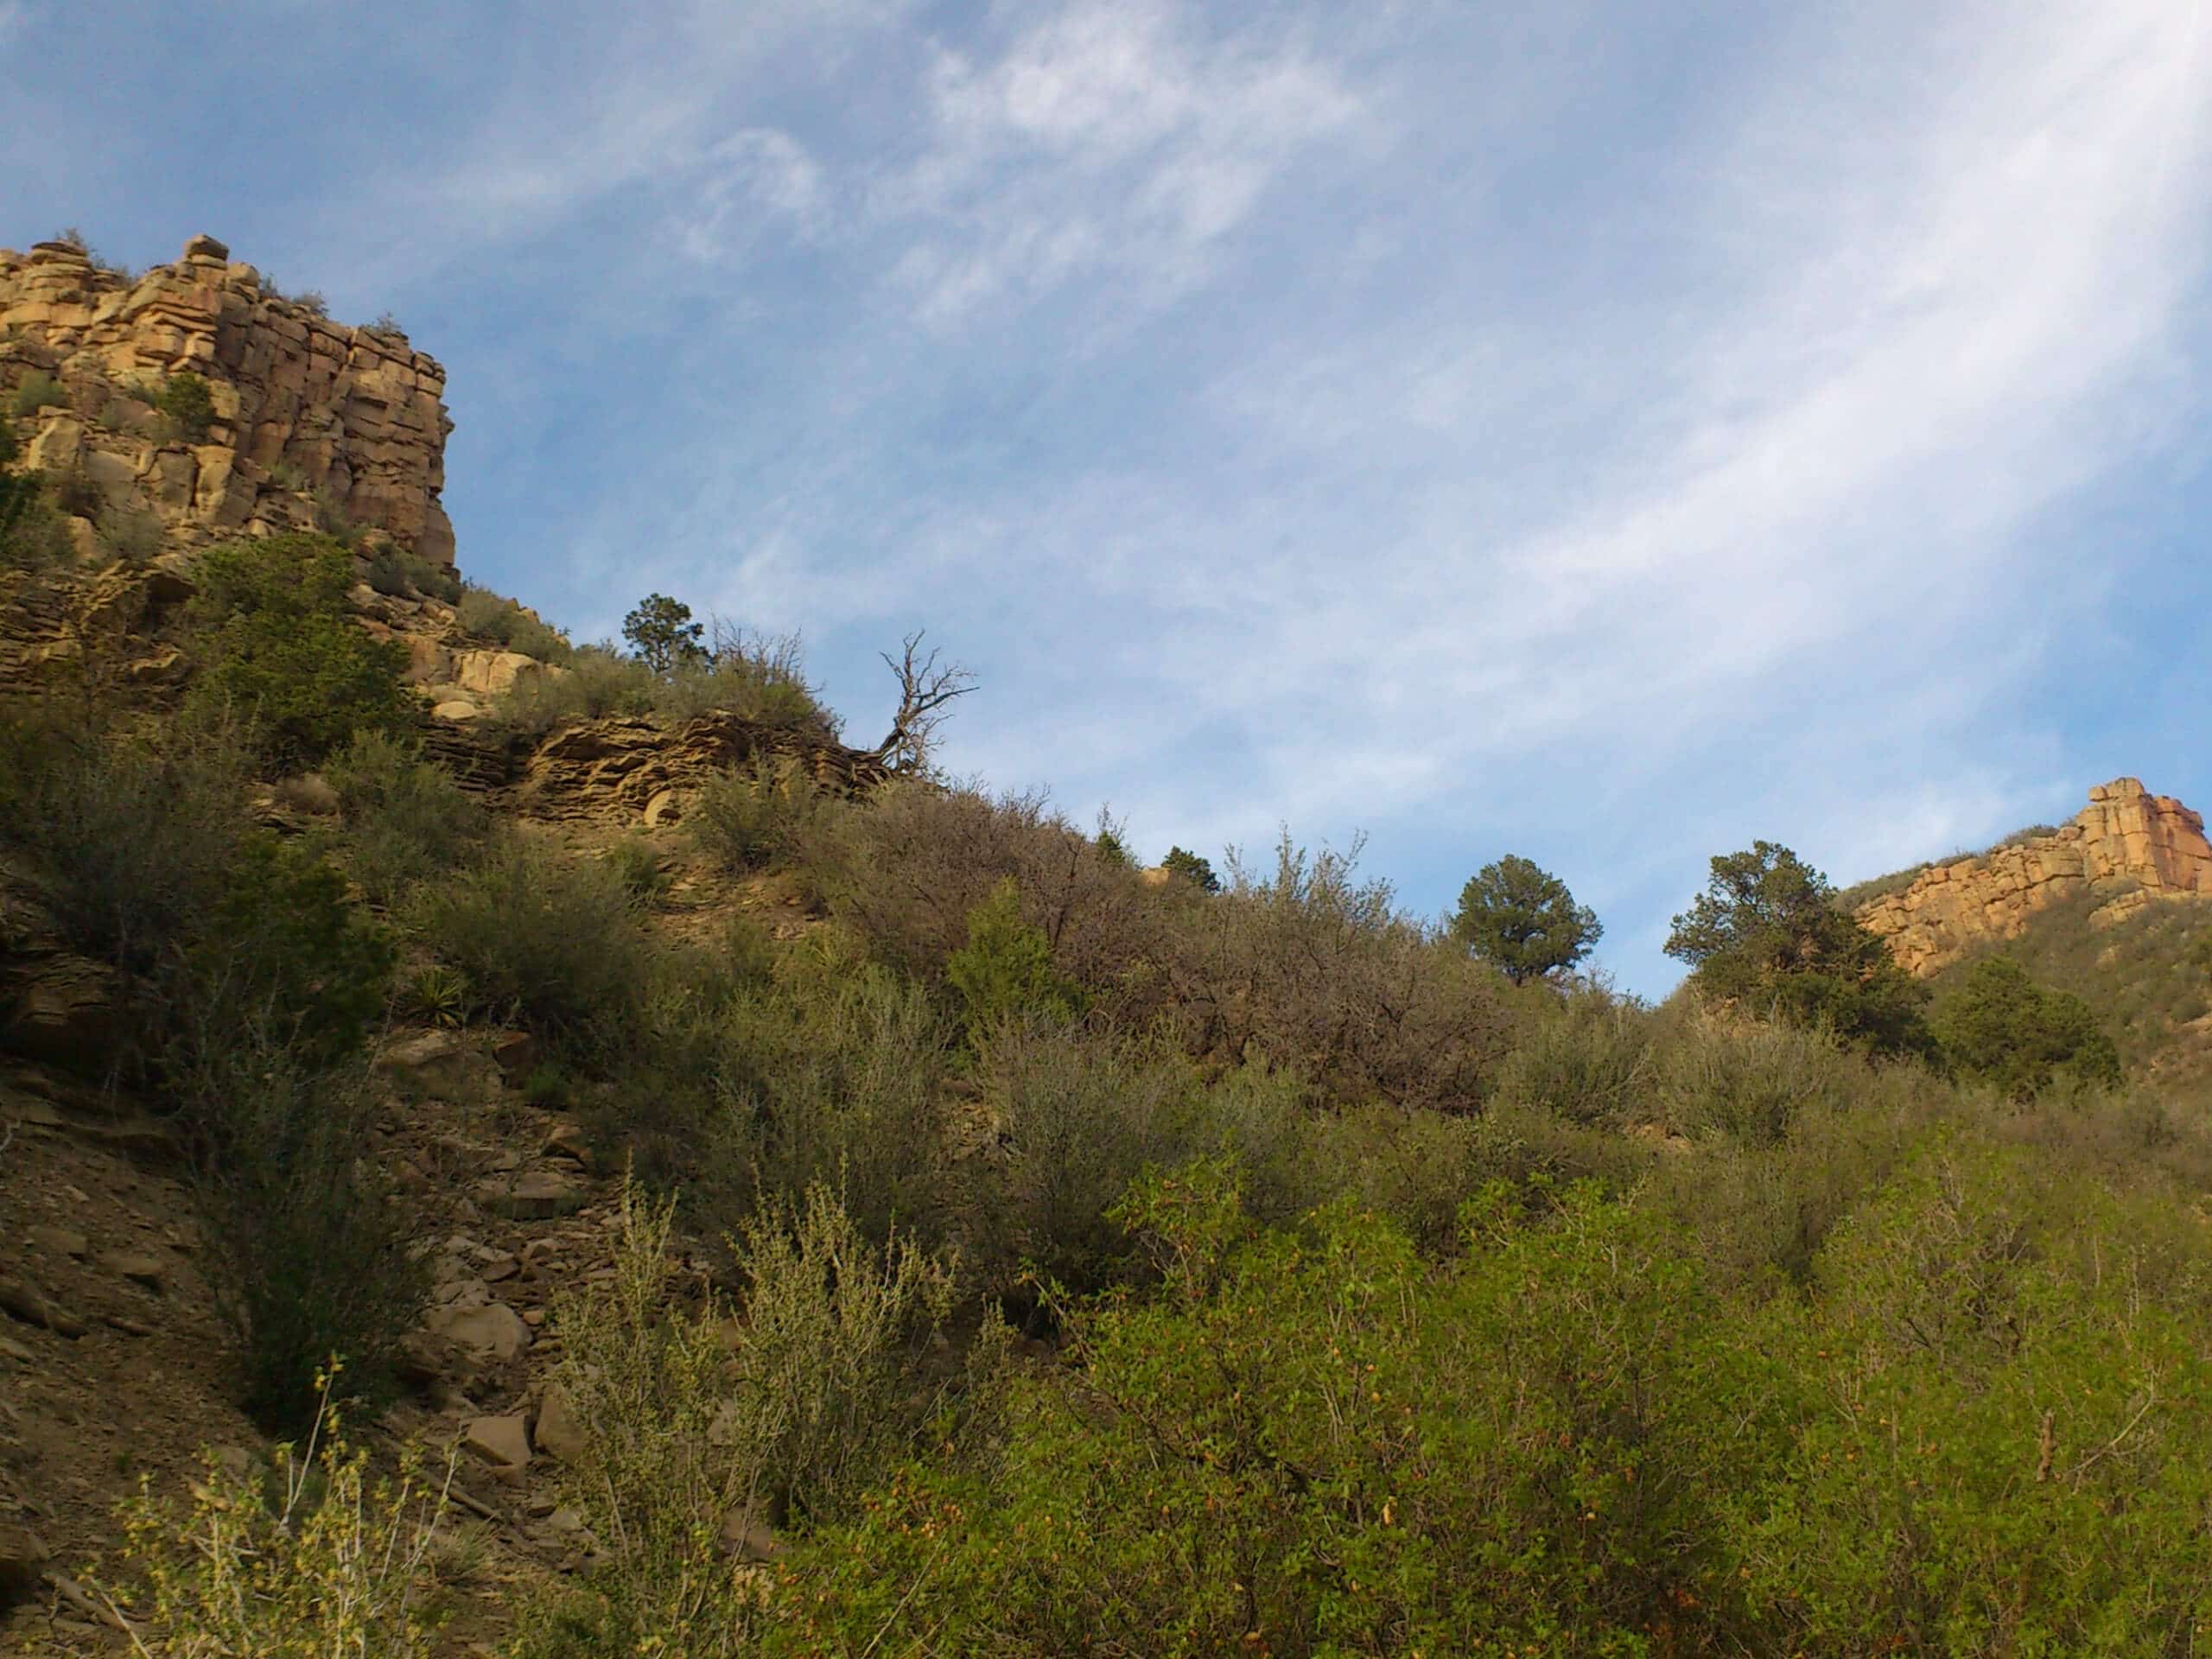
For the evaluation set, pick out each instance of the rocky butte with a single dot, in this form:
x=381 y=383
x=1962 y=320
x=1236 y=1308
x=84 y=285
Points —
x=311 y=419
x=2138 y=846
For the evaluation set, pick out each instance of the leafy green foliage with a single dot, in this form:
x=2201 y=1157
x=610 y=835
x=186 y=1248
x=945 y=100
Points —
x=2001 y=1028
x=760 y=816
x=1190 y=868
x=396 y=573
x=189 y=405
x=1005 y=968
x=309 y=1555
x=31 y=536
x=492 y=616
x=1523 y=920
x=249 y=983
x=661 y=633
x=636 y=864
x=1767 y=934
x=552 y=942
x=311 y=1254
x=405 y=820
x=692 y=1426
x=37 y=391
x=278 y=644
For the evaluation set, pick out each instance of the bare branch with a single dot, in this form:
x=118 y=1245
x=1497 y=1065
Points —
x=926 y=686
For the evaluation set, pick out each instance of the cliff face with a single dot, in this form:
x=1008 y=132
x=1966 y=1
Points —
x=309 y=416
x=2149 y=847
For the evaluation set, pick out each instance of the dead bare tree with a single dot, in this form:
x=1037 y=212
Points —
x=924 y=687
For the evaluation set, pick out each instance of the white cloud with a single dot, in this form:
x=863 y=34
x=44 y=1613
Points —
x=1112 y=137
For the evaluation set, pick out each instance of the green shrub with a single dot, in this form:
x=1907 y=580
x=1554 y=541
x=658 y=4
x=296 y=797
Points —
x=278 y=642
x=308 y=1556
x=1749 y=1080
x=1005 y=968
x=760 y=816
x=492 y=616
x=1314 y=968
x=553 y=943
x=906 y=871
x=1588 y=1059
x=837 y=1078
x=405 y=820
x=37 y=391
x=251 y=984
x=31 y=536
x=398 y=574
x=636 y=864
x=132 y=840
x=189 y=405
x=598 y=685
x=76 y=494
x=753 y=677
x=683 y=1435
x=2012 y=1447
x=1306 y=1444
x=1078 y=1117
x=438 y=995
x=283 y=952
x=2001 y=1028
x=312 y=1253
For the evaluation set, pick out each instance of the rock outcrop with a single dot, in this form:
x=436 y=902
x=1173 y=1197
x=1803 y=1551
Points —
x=309 y=418
x=631 y=771
x=2135 y=847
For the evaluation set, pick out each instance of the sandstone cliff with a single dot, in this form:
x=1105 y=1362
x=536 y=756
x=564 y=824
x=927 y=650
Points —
x=2138 y=846
x=309 y=416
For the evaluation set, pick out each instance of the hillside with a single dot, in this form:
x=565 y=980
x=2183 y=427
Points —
x=2115 y=907
x=765 y=1198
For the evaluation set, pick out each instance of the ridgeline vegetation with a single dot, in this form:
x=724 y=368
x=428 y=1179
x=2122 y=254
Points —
x=1025 y=1255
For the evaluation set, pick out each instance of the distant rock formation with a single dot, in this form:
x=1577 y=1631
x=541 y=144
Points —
x=309 y=416
x=2144 y=847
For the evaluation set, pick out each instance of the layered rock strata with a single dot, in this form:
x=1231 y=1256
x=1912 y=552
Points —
x=2135 y=847
x=311 y=420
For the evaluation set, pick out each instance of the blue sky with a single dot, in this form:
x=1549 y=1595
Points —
x=1608 y=433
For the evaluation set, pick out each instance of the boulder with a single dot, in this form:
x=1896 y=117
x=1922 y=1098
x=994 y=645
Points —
x=560 y=1434
x=486 y=674
x=147 y=1271
x=538 y=1195
x=566 y=1140
x=492 y=1332
x=438 y=1065
x=746 y=1535
x=503 y=1442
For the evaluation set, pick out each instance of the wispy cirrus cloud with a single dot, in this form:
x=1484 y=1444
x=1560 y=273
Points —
x=1609 y=434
